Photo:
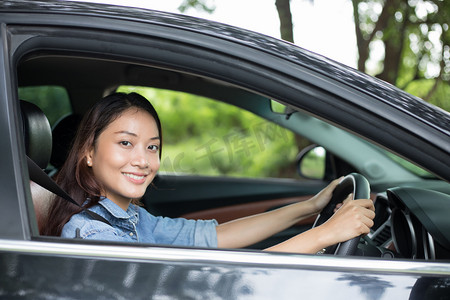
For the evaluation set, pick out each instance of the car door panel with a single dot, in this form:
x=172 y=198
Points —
x=177 y=195
x=231 y=212
x=78 y=271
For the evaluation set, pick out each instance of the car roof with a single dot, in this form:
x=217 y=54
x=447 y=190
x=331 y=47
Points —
x=378 y=89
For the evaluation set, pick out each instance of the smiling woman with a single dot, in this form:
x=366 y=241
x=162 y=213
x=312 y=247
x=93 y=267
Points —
x=125 y=156
x=93 y=168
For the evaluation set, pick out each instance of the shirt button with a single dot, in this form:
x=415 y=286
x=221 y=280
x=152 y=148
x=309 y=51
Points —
x=131 y=234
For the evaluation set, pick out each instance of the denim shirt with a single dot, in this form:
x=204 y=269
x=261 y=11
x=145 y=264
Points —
x=138 y=225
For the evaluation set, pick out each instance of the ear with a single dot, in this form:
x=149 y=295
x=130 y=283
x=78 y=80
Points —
x=89 y=157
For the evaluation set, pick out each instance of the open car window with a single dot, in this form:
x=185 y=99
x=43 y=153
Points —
x=228 y=151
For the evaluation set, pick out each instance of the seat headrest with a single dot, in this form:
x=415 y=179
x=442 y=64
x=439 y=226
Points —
x=64 y=132
x=37 y=133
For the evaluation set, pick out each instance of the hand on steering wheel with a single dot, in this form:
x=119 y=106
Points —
x=357 y=185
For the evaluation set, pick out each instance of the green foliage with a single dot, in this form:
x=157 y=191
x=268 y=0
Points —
x=440 y=97
x=206 y=137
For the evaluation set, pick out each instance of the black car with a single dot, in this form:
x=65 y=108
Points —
x=59 y=57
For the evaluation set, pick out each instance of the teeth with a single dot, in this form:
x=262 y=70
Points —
x=133 y=176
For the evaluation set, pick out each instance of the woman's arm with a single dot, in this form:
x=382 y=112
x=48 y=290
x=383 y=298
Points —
x=249 y=230
x=353 y=218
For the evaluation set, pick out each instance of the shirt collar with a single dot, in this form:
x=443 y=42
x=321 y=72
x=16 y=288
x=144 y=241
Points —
x=118 y=212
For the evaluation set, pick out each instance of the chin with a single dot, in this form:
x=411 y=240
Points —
x=135 y=195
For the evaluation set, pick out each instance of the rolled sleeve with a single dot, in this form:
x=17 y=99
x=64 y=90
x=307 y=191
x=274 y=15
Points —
x=205 y=233
x=180 y=231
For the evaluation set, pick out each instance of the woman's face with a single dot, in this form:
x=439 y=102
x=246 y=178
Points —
x=125 y=158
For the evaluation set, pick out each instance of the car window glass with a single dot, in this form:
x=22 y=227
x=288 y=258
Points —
x=277 y=107
x=53 y=100
x=219 y=139
x=410 y=166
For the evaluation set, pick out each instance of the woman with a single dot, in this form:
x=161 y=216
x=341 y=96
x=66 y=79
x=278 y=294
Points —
x=116 y=155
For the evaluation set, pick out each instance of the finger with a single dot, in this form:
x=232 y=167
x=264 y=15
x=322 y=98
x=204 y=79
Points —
x=366 y=203
x=370 y=213
x=336 y=208
x=349 y=198
x=361 y=223
x=332 y=185
x=368 y=223
x=337 y=181
x=365 y=218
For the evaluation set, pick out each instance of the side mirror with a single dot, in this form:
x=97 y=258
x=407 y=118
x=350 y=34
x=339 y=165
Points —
x=311 y=162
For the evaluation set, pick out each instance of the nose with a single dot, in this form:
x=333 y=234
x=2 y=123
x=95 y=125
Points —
x=140 y=159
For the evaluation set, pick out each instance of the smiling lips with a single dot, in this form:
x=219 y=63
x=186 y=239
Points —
x=136 y=178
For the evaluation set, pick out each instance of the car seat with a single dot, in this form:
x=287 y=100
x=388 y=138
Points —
x=38 y=144
x=37 y=134
x=63 y=133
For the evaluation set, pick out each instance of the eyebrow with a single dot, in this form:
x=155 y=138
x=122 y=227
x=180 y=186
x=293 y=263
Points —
x=134 y=134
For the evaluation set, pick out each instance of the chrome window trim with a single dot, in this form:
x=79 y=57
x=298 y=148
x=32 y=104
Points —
x=244 y=258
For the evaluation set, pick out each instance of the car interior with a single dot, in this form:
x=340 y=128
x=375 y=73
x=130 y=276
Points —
x=410 y=221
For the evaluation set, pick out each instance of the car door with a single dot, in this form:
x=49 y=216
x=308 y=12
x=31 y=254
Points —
x=43 y=266
x=234 y=78
x=219 y=197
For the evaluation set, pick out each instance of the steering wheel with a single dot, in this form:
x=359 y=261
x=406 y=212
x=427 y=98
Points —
x=353 y=183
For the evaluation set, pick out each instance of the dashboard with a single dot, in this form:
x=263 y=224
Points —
x=411 y=223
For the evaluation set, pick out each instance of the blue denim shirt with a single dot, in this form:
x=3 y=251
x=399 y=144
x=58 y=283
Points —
x=137 y=225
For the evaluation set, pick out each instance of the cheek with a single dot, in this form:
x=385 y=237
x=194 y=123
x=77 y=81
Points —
x=104 y=159
x=156 y=163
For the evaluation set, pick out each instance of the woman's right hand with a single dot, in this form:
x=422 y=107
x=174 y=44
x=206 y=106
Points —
x=353 y=218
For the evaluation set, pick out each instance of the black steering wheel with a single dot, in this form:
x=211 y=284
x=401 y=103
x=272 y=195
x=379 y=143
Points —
x=353 y=183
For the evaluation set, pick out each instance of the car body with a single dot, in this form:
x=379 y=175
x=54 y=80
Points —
x=91 y=49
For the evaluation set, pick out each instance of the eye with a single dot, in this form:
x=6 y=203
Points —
x=153 y=148
x=125 y=143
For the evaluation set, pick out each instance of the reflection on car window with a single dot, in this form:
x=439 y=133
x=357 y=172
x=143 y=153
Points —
x=53 y=100
x=409 y=166
x=206 y=137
